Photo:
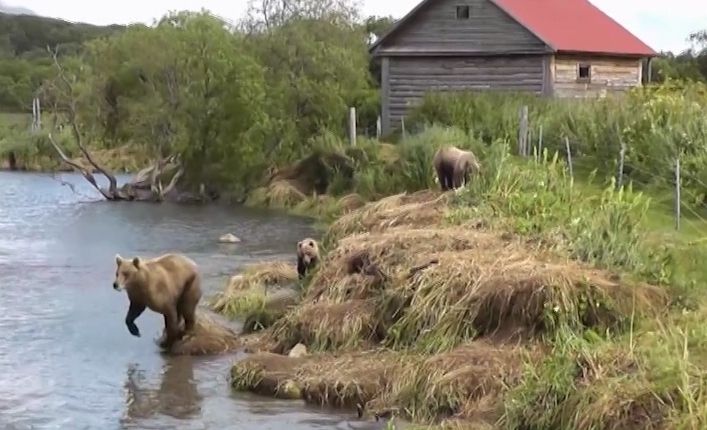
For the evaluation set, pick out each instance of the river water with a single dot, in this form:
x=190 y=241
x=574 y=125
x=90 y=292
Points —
x=67 y=360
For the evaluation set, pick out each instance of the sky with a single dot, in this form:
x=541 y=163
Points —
x=663 y=25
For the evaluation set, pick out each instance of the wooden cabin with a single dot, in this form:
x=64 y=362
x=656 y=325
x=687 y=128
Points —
x=560 y=48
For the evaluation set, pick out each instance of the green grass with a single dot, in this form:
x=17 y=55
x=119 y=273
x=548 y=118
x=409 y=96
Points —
x=15 y=119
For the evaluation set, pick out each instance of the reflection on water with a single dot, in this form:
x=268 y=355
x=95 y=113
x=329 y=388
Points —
x=176 y=396
x=67 y=360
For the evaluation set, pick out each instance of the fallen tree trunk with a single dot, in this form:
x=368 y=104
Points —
x=147 y=185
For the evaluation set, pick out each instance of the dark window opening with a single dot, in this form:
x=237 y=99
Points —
x=584 y=73
x=462 y=12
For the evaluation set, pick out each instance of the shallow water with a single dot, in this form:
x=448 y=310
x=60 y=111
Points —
x=67 y=360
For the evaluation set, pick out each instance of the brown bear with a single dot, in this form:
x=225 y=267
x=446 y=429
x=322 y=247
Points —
x=307 y=256
x=453 y=166
x=169 y=285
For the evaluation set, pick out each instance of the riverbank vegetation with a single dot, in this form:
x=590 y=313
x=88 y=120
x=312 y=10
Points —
x=526 y=300
x=550 y=293
x=235 y=101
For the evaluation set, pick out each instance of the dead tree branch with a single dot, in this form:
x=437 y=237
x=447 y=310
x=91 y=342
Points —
x=76 y=166
x=147 y=184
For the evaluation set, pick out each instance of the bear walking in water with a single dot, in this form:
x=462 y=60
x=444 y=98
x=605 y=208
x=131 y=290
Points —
x=307 y=256
x=169 y=285
x=453 y=166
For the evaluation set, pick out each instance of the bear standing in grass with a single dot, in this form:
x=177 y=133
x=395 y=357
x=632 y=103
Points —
x=307 y=256
x=169 y=285
x=453 y=166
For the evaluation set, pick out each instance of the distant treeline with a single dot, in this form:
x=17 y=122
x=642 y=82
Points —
x=24 y=61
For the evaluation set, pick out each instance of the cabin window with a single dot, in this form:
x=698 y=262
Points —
x=462 y=12
x=584 y=73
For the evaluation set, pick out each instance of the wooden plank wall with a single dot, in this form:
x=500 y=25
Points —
x=608 y=75
x=409 y=78
x=488 y=30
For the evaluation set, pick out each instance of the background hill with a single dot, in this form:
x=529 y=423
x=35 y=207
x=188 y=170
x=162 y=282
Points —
x=15 y=10
x=24 y=62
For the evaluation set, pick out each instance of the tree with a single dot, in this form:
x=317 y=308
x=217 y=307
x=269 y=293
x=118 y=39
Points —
x=266 y=15
x=187 y=87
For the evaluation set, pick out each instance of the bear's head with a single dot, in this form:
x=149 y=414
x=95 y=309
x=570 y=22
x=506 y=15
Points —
x=126 y=272
x=308 y=250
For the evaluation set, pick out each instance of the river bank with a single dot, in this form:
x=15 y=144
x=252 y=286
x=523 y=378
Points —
x=523 y=301
x=118 y=160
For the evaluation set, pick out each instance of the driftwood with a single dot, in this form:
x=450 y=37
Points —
x=145 y=186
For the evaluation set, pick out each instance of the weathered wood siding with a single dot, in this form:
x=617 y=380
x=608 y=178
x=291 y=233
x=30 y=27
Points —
x=410 y=78
x=608 y=75
x=436 y=28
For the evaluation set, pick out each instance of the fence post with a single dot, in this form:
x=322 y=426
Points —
x=523 y=131
x=569 y=156
x=677 y=193
x=378 y=127
x=540 y=143
x=352 y=126
x=34 y=114
x=622 y=154
x=402 y=126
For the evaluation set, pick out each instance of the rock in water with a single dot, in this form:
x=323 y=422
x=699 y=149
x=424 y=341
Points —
x=229 y=238
x=209 y=338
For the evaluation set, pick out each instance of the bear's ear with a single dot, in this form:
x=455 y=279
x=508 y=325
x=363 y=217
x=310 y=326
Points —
x=118 y=259
x=136 y=262
x=311 y=244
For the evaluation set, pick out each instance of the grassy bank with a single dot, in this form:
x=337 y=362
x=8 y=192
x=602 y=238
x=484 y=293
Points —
x=527 y=300
x=33 y=152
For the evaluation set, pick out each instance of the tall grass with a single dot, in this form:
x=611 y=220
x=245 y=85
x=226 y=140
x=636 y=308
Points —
x=655 y=124
x=652 y=378
x=407 y=165
x=537 y=198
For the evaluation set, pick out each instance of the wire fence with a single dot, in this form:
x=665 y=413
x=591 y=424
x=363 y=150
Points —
x=687 y=204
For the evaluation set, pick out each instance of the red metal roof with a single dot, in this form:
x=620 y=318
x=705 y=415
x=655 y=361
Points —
x=574 y=26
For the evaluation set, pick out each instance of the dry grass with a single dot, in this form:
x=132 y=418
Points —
x=248 y=290
x=277 y=194
x=351 y=202
x=463 y=310
x=327 y=326
x=416 y=209
x=208 y=338
x=321 y=379
x=480 y=284
x=463 y=384
x=284 y=194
